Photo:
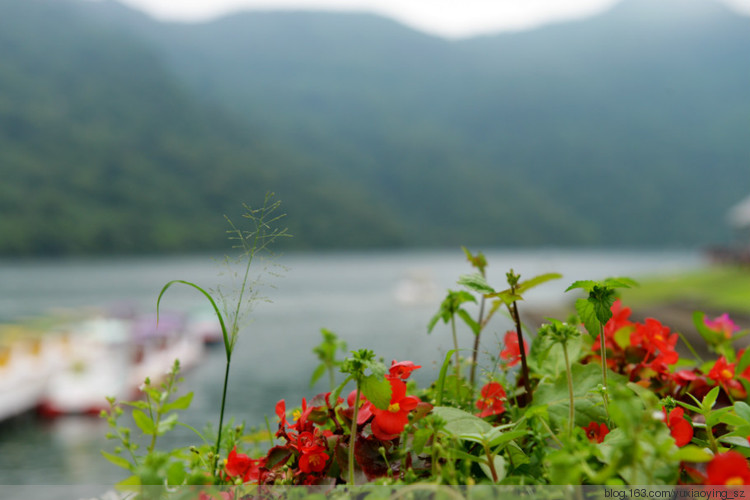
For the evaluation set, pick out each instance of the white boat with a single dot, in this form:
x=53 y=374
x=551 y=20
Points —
x=73 y=368
x=417 y=288
x=27 y=363
x=96 y=356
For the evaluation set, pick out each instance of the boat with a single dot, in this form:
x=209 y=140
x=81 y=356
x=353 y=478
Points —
x=417 y=288
x=26 y=365
x=96 y=359
x=109 y=357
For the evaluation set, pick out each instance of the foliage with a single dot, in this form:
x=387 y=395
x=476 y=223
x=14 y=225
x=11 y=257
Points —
x=657 y=419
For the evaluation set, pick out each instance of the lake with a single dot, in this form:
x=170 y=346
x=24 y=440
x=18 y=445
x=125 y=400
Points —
x=379 y=300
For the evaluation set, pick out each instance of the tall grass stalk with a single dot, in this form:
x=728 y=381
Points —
x=264 y=231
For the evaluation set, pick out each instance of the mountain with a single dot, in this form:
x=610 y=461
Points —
x=627 y=128
x=102 y=149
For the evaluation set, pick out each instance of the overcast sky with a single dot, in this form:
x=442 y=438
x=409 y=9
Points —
x=450 y=18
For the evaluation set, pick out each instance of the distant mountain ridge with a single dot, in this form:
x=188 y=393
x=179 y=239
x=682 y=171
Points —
x=628 y=128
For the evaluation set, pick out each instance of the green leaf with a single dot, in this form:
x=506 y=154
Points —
x=129 y=483
x=167 y=424
x=144 y=422
x=441 y=376
x=319 y=372
x=743 y=362
x=692 y=453
x=524 y=286
x=537 y=411
x=176 y=474
x=621 y=282
x=586 y=285
x=725 y=416
x=587 y=313
x=499 y=463
x=462 y=455
x=377 y=390
x=603 y=305
x=710 y=399
x=464 y=315
x=486 y=437
x=500 y=438
x=647 y=396
x=420 y=440
x=690 y=407
x=507 y=297
x=476 y=283
x=433 y=321
x=227 y=341
x=742 y=409
x=181 y=403
x=735 y=441
x=458 y=422
x=117 y=460
x=137 y=404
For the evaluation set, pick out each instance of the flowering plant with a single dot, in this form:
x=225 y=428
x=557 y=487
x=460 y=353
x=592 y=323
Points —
x=598 y=399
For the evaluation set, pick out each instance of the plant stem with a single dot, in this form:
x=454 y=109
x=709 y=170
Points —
x=603 y=350
x=221 y=413
x=475 y=353
x=711 y=439
x=490 y=463
x=229 y=347
x=353 y=437
x=571 y=416
x=524 y=366
x=458 y=360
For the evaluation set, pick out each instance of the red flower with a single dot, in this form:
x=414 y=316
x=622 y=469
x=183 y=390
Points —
x=389 y=423
x=307 y=442
x=281 y=413
x=402 y=369
x=681 y=430
x=313 y=462
x=512 y=352
x=596 y=432
x=491 y=400
x=729 y=469
x=723 y=374
x=240 y=465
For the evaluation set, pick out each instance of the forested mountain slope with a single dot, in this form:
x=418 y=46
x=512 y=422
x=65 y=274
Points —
x=120 y=133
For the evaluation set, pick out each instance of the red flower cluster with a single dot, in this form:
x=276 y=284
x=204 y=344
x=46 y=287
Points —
x=512 y=352
x=643 y=352
x=304 y=440
x=491 y=400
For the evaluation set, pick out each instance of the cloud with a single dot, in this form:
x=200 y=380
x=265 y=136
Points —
x=448 y=18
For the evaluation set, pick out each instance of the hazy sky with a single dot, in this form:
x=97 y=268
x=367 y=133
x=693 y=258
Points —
x=451 y=18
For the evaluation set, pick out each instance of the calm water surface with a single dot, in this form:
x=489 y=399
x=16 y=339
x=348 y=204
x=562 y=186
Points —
x=352 y=294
